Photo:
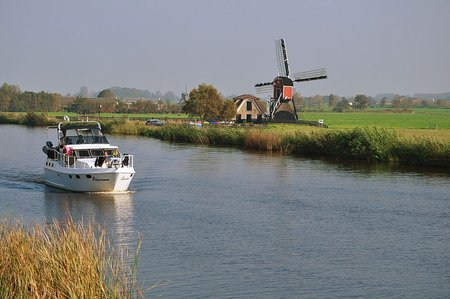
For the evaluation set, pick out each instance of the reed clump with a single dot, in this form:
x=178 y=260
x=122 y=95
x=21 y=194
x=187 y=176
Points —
x=259 y=139
x=368 y=144
x=178 y=133
x=28 y=119
x=62 y=260
x=422 y=151
x=124 y=127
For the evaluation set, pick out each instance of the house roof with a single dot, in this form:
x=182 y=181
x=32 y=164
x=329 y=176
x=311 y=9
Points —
x=261 y=105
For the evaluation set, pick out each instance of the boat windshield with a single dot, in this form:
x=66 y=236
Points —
x=91 y=135
x=93 y=153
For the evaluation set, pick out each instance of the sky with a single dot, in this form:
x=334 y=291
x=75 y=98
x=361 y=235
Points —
x=367 y=47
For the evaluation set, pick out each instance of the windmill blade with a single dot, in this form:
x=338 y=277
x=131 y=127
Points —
x=311 y=75
x=264 y=87
x=282 y=59
x=264 y=84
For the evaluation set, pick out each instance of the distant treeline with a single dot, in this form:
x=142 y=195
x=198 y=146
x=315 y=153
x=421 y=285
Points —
x=12 y=99
x=112 y=105
x=131 y=100
x=129 y=93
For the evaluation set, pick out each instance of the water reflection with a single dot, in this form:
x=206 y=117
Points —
x=113 y=211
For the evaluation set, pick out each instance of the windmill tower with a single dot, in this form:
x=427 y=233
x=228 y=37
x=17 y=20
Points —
x=281 y=104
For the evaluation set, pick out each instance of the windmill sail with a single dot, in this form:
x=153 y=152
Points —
x=282 y=59
x=311 y=75
x=266 y=87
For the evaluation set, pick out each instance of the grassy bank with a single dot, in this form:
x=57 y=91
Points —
x=362 y=144
x=28 y=119
x=423 y=147
x=62 y=260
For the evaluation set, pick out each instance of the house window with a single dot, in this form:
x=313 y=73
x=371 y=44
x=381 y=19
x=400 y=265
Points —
x=249 y=118
x=249 y=106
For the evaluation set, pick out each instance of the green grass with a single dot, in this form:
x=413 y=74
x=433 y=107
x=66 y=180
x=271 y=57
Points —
x=419 y=119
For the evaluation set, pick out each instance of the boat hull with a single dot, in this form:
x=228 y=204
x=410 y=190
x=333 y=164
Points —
x=89 y=180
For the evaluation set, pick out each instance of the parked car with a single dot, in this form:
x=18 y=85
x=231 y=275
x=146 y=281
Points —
x=155 y=122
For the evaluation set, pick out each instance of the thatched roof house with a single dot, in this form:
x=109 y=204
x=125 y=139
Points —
x=249 y=108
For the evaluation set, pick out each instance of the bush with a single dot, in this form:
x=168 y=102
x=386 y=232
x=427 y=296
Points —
x=370 y=144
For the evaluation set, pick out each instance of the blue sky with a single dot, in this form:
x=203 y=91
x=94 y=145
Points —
x=368 y=47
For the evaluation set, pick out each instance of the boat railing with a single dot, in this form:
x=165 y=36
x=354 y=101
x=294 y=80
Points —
x=69 y=161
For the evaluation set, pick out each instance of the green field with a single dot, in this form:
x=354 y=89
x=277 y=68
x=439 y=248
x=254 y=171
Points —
x=418 y=119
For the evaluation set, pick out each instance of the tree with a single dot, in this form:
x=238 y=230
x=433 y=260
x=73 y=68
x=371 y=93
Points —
x=228 y=111
x=298 y=100
x=317 y=101
x=8 y=94
x=332 y=101
x=106 y=93
x=396 y=102
x=204 y=101
x=342 y=106
x=361 y=101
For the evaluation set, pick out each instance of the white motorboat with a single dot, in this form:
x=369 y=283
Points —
x=84 y=161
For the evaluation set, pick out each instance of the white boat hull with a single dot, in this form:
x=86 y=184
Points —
x=84 y=161
x=89 y=180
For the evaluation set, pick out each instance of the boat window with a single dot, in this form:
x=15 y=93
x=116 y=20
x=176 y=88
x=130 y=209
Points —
x=82 y=153
x=97 y=152
x=98 y=136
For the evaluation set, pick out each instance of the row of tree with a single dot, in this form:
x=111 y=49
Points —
x=128 y=93
x=361 y=102
x=112 y=105
x=13 y=100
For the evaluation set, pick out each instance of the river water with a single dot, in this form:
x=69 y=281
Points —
x=226 y=223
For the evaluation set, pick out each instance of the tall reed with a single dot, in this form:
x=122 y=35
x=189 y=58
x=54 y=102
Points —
x=262 y=140
x=62 y=260
x=422 y=151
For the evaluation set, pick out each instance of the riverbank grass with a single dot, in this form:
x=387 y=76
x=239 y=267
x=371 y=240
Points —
x=62 y=260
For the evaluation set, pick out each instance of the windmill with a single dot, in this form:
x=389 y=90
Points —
x=281 y=103
x=184 y=96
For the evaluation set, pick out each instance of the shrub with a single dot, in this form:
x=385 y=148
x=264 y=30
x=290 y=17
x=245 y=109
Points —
x=370 y=144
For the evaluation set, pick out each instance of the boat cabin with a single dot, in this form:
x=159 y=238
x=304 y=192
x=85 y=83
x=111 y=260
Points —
x=81 y=133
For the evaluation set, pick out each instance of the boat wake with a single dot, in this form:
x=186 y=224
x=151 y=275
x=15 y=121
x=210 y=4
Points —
x=23 y=182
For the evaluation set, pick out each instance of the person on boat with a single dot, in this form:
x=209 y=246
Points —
x=67 y=150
